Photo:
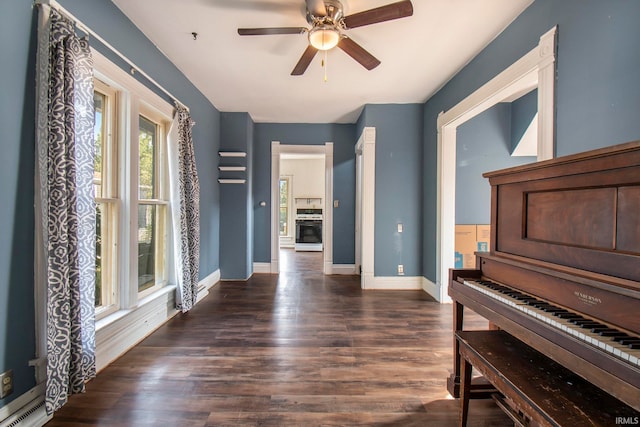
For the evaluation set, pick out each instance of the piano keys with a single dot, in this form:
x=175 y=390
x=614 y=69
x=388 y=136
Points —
x=610 y=339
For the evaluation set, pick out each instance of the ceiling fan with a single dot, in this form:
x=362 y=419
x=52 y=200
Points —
x=327 y=30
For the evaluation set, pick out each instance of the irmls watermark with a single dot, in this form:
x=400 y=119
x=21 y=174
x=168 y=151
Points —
x=627 y=421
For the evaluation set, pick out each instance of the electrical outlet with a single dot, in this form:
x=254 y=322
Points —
x=6 y=380
x=400 y=269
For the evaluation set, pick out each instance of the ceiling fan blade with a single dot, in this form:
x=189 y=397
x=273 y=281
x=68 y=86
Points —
x=380 y=14
x=316 y=8
x=358 y=53
x=270 y=31
x=304 y=61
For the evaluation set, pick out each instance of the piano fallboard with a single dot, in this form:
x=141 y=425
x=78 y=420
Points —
x=613 y=304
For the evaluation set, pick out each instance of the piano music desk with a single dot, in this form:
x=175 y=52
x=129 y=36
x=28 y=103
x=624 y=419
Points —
x=542 y=392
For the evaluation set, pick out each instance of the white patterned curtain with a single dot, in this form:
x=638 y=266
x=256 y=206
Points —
x=66 y=207
x=185 y=208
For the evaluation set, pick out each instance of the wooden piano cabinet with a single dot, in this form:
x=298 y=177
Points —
x=565 y=232
x=538 y=390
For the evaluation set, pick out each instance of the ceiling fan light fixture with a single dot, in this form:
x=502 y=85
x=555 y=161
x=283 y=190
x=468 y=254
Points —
x=324 y=37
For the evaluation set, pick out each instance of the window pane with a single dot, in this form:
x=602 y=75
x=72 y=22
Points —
x=106 y=230
x=99 y=271
x=146 y=246
x=284 y=206
x=99 y=135
x=284 y=230
x=284 y=192
x=147 y=159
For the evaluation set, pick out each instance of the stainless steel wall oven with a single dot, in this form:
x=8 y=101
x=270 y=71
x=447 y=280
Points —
x=308 y=230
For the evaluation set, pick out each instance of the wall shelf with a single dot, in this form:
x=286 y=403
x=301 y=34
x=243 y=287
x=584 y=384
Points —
x=231 y=181
x=232 y=168
x=232 y=154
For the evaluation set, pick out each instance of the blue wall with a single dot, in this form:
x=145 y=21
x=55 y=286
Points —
x=344 y=139
x=398 y=186
x=17 y=104
x=17 y=121
x=236 y=228
x=483 y=144
x=523 y=110
x=597 y=87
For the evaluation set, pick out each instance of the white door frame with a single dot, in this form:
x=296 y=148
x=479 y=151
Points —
x=366 y=205
x=535 y=69
x=327 y=212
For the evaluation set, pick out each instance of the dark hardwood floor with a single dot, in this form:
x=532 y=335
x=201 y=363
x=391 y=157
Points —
x=298 y=349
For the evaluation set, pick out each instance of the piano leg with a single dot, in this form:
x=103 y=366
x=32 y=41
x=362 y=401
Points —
x=453 y=383
x=465 y=392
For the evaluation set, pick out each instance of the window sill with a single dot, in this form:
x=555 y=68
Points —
x=117 y=315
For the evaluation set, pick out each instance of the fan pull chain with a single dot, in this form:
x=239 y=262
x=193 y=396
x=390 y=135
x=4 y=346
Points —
x=324 y=65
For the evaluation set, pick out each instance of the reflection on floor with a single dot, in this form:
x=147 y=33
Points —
x=292 y=261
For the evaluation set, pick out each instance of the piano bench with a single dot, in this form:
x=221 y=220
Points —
x=538 y=390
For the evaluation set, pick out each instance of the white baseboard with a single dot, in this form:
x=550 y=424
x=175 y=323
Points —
x=431 y=288
x=26 y=410
x=394 y=283
x=262 y=267
x=207 y=283
x=346 y=269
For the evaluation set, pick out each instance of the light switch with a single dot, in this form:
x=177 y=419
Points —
x=336 y=203
x=399 y=227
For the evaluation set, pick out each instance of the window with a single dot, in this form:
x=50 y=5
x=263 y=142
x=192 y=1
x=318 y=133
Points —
x=131 y=190
x=105 y=192
x=152 y=205
x=284 y=206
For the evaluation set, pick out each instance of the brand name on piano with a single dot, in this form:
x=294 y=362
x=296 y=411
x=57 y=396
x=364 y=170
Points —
x=586 y=298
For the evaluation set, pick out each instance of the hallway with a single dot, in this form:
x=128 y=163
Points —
x=298 y=349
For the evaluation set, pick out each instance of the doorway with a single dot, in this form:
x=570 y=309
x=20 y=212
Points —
x=278 y=152
x=534 y=70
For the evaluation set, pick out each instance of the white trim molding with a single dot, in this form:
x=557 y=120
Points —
x=429 y=287
x=207 y=283
x=26 y=410
x=262 y=268
x=535 y=69
x=344 y=269
x=398 y=283
x=366 y=147
x=327 y=226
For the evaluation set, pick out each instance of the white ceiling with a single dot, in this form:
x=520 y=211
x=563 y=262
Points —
x=419 y=54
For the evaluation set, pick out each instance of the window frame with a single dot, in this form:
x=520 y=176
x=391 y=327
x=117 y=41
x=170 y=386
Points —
x=161 y=199
x=109 y=198
x=135 y=99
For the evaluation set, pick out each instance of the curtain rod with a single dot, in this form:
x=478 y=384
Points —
x=79 y=24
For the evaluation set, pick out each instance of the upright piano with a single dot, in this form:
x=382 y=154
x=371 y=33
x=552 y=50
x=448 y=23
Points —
x=563 y=270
